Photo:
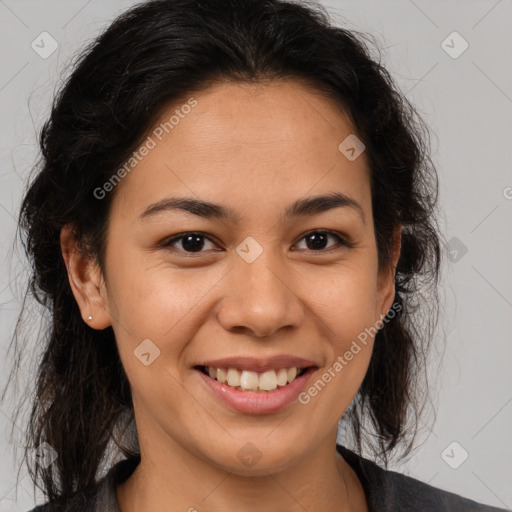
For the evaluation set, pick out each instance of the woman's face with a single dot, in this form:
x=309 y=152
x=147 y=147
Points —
x=259 y=288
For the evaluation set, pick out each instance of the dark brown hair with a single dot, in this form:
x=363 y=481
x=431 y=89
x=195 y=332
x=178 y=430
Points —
x=153 y=54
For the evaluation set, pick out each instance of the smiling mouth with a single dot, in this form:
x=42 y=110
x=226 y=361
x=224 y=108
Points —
x=257 y=382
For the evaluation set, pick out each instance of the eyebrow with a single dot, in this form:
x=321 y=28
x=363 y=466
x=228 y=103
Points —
x=306 y=206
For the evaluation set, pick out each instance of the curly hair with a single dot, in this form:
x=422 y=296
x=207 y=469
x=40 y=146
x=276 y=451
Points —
x=156 y=53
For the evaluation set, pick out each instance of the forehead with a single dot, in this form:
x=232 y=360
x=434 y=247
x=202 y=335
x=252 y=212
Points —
x=247 y=144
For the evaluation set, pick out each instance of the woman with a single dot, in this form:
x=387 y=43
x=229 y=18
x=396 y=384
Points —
x=231 y=227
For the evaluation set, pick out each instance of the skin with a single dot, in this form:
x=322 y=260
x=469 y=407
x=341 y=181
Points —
x=255 y=148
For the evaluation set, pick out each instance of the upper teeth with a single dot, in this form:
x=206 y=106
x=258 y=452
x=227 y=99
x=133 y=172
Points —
x=253 y=381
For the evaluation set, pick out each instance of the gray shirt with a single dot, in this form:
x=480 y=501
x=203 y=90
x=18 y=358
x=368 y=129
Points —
x=386 y=491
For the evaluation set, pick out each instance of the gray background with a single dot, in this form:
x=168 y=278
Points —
x=467 y=101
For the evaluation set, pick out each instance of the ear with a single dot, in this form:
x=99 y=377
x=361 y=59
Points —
x=86 y=281
x=386 y=279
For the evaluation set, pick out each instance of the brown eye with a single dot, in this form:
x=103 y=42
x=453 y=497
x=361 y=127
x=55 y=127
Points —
x=190 y=242
x=317 y=241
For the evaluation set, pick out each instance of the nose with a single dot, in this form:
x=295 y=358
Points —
x=260 y=299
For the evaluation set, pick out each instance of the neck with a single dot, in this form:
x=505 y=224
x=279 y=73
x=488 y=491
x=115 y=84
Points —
x=175 y=479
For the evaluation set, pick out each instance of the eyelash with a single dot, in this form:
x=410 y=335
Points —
x=341 y=241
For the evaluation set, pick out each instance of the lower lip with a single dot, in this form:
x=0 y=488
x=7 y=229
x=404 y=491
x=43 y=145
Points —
x=257 y=403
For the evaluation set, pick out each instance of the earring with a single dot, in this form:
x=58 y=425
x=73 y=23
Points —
x=89 y=318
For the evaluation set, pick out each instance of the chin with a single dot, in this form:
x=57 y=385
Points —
x=256 y=457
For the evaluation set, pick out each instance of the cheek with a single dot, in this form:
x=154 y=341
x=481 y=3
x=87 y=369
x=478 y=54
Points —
x=344 y=298
x=345 y=309
x=344 y=304
x=150 y=298
x=149 y=302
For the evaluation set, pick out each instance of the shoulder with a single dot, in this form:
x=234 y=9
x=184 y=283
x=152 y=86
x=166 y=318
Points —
x=100 y=497
x=391 y=491
x=85 y=501
x=82 y=502
x=406 y=493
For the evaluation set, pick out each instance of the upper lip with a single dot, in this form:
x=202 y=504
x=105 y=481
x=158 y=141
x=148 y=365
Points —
x=259 y=364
